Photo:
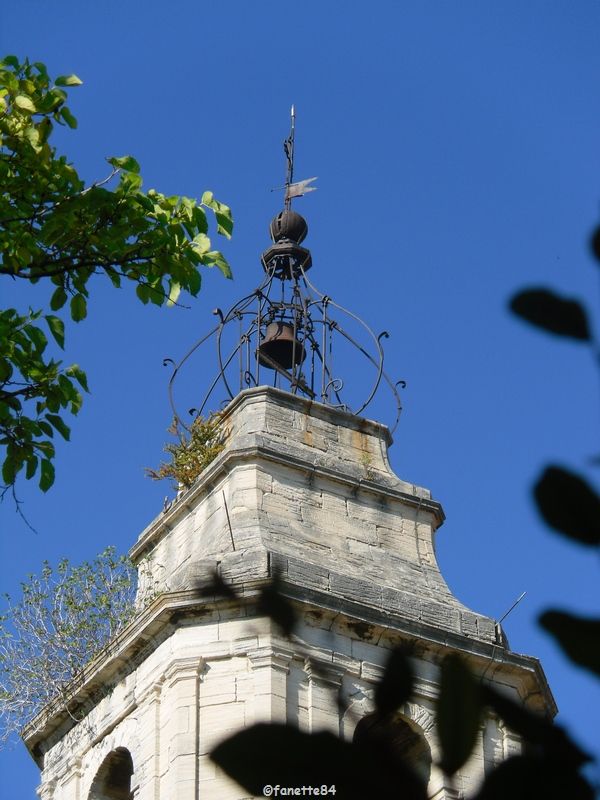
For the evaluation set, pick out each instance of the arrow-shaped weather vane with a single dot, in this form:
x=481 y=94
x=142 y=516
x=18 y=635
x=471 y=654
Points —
x=301 y=187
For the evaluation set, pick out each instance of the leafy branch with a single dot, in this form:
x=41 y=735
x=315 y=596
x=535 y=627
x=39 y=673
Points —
x=56 y=229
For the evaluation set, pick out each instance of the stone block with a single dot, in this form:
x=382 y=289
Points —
x=245 y=565
x=306 y=574
x=353 y=588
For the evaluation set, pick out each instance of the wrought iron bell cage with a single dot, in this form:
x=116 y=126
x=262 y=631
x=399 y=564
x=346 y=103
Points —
x=284 y=333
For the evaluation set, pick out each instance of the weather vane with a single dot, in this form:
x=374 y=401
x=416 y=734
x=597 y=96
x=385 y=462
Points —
x=302 y=187
x=288 y=333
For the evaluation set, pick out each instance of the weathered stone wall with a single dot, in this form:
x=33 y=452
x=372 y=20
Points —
x=214 y=676
x=311 y=486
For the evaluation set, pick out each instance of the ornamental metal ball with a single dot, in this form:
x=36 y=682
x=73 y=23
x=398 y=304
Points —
x=288 y=225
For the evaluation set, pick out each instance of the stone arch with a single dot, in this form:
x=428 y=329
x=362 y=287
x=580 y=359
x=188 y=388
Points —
x=403 y=736
x=122 y=738
x=113 y=778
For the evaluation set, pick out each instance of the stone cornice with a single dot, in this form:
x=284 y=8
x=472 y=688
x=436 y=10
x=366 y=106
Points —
x=143 y=633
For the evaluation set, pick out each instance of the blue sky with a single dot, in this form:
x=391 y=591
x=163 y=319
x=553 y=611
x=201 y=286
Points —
x=456 y=146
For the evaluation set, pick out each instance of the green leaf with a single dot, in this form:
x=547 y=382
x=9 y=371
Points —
x=156 y=295
x=223 y=265
x=32 y=464
x=9 y=471
x=37 y=337
x=224 y=223
x=25 y=103
x=33 y=137
x=75 y=371
x=194 y=282
x=127 y=163
x=58 y=423
x=554 y=314
x=174 y=292
x=68 y=80
x=578 y=637
x=201 y=243
x=6 y=370
x=47 y=475
x=569 y=505
x=458 y=713
x=12 y=61
x=207 y=198
x=78 y=308
x=58 y=299
x=46 y=428
x=57 y=329
x=68 y=117
x=199 y=219
x=143 y=292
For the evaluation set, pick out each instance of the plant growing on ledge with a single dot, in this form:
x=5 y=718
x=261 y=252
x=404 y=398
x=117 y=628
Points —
x=190 y=454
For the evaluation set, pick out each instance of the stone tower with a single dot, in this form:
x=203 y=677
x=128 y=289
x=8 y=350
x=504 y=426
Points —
x=302 y=489
x=307 y=490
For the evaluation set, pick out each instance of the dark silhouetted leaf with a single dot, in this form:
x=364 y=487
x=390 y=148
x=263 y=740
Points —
x=459 y=710
x=579 y=638
x=529 y=778
x=595 y=243
x=396 y=685
x=554 y=314
x=569 y=505
x=216 y=587
x=536 y=730
x=282 y=755
x=278 y=607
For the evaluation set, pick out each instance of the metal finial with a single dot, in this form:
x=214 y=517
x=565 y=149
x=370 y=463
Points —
x=302 y=187
x=288 y=149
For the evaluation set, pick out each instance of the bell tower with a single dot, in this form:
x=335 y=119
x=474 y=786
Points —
x=302 y=489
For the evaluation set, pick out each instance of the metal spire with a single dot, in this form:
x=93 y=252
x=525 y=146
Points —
x=302 y=187
x=288 y=149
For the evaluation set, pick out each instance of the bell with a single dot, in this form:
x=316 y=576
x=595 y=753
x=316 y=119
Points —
x=279 y=346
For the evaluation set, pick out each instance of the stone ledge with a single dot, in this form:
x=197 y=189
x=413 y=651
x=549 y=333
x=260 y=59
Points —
x=161 y=619
x=226 y=463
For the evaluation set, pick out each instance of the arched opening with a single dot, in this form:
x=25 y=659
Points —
x=398 y=736
x=113 y=779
